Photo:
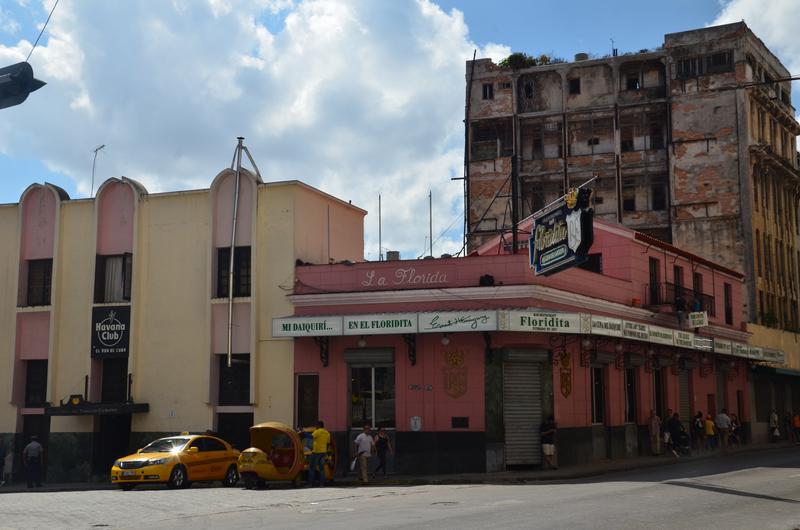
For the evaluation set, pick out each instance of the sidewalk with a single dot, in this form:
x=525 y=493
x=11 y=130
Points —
x=502 y=477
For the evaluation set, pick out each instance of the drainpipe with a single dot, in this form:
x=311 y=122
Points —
x=233 y=246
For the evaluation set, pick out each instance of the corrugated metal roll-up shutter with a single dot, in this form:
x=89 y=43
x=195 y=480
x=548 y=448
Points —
x=369 y=356
x=522 y=412
x=683 y=395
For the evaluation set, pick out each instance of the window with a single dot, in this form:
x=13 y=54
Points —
x=758 y=252
x=659 y=397
x=35 y=383
x=212 y=444
x=598 y=395
x=541 y=140
x=504 y=86
x=658 y=197
x=628 y=199
x=755 y=191
x=630 y=395
x=488 y=91
x=728 y=296
x=234 y=382
x=491 y=139
x=697 y=286
x=307 y=399
x=654 y=287
x=719 y=62
x=114 y=386
x=40 y=277
x=241 y=271
x=112 y=278
x=626 y=138
x=372 y=396
x=593 y=263
x=528 y=88
x=632 y=82
x=575 y=86
x=593 y=136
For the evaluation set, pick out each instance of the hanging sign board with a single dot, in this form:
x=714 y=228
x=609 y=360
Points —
x=661 y=335
x=611 y=327
x=111 y=327
x=725 y=347
x=446 y=321
x=306 y=326
x=380 y=324
x=684 y=339
x=540 y=321
x=562 y=233
x=698 y=319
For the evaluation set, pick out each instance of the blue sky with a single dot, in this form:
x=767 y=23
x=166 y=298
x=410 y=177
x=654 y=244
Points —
x=357 y=97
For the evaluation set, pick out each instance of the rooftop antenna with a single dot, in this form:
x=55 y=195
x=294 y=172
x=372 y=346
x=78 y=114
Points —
x=94 y=160
x=613 y=49
x=430 y=221
x=236 y=164
x=380 y=246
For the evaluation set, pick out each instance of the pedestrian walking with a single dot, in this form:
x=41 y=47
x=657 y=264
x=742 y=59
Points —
x=736 y=430
x=32 y=459
x=654 y=427
x=665 y=435
x=674 y=429
x=319 y=452
x=698 y=431
x=548 y=433
x=723 y=424
x=774 y=431
x=796 y=425
x=364 y=448
x=383 y=446
x=711 y=434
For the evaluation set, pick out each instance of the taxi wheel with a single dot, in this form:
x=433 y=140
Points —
x=177 y=479
x=231 y=477
x=126 y=487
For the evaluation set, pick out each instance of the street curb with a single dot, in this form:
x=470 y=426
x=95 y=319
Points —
x=504 y=477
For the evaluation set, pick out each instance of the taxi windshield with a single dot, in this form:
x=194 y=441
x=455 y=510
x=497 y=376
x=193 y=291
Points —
x=165 y=445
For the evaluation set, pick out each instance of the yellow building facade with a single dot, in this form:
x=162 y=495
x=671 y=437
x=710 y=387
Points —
x=114 y=312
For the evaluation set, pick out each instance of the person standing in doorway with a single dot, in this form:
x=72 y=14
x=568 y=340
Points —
x=32 y=459
x=548 y=433
x=364 y=447
x=654 y=427
x=774 y=432
x=319 y=451
x=723 y=424
x=383 y=446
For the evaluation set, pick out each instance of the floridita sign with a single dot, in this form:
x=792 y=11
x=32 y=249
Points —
x=562 y=233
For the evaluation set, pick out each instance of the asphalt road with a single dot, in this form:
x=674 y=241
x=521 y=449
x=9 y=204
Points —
x=753 y=491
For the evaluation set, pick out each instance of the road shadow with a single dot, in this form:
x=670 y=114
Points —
x=728 y=491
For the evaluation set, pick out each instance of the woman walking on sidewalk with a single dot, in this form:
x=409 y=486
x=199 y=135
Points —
x=383 y=445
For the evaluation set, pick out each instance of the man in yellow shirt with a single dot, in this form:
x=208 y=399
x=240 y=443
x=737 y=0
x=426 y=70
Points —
x=711 y=434
x=319 y=450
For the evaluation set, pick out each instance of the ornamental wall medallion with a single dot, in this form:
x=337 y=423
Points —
x=455 y=374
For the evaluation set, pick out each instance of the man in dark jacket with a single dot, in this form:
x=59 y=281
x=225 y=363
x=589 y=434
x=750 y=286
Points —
x=674 y=427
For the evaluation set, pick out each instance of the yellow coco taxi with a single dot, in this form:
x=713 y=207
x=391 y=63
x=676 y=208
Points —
x=178 y=461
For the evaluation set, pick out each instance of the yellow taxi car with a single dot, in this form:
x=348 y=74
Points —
x=177 y=461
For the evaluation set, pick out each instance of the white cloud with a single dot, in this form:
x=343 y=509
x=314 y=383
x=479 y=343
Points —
x=7 y=22
x=356 y=97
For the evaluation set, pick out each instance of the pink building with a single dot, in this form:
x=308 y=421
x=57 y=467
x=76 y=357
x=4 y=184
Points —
x=461 y=359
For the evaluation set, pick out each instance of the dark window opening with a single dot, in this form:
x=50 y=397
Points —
x=307 y=399
x=35 y=383
x=113 y=276
x=491 y=139
x=719 y=62
x=728 y=296
x=593 y=141
x=655 y=282
x=528 y=90
x=488 y=91
x=504 y=86
x=114 y=385
x=626 y=139
x=575 y=86
x=40 y=277
x=459 y=422
x=234 y=382
x=241 y=271
x=632 y=82
x=659 y=197
x=630 y=395
x=629 y=199
x=659 y=397
x=593 y=263
x=598 y=395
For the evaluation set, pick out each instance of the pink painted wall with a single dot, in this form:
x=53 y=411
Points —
x=222 y=192
x=435 y=407
x=115 y=218
x=241 y=328
x=38 y=224
x=33 y=335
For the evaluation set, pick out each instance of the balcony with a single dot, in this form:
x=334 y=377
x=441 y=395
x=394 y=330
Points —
x=665 y=293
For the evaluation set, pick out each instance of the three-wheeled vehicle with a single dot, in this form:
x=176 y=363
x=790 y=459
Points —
x=278 y=453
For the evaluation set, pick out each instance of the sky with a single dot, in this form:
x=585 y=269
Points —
x=357 y=98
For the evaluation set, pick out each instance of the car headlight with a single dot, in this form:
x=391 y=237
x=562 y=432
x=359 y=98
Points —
x=117 y=463
x=157 y=461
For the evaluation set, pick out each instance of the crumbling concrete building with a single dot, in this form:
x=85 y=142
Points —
x=693 y=143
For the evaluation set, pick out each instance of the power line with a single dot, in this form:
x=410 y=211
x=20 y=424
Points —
x=41 y=32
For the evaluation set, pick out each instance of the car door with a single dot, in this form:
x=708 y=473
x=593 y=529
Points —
x=217 y=458
x=196 y=462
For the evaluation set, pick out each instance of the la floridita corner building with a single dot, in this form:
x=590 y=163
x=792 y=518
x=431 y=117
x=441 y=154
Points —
x=114 y=312
x=114 y=327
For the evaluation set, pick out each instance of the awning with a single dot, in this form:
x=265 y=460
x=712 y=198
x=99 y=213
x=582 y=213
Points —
x=77 y=406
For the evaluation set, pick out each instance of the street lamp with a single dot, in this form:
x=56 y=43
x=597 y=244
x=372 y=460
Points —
x=96 y=149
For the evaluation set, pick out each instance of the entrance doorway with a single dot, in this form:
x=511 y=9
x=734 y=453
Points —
x=234 y=428
x=523 y=412
x=32 y=425
x=372 y=396
x=112 y=440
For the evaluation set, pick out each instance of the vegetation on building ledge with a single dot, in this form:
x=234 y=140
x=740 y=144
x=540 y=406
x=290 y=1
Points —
x=519 y=60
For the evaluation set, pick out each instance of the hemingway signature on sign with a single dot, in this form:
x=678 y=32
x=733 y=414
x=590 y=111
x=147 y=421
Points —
x=473 y=322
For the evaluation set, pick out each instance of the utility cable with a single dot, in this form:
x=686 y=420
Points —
x=41 y=32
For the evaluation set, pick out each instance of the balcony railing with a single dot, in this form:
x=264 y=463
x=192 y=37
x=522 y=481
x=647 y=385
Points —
x=665 y=293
